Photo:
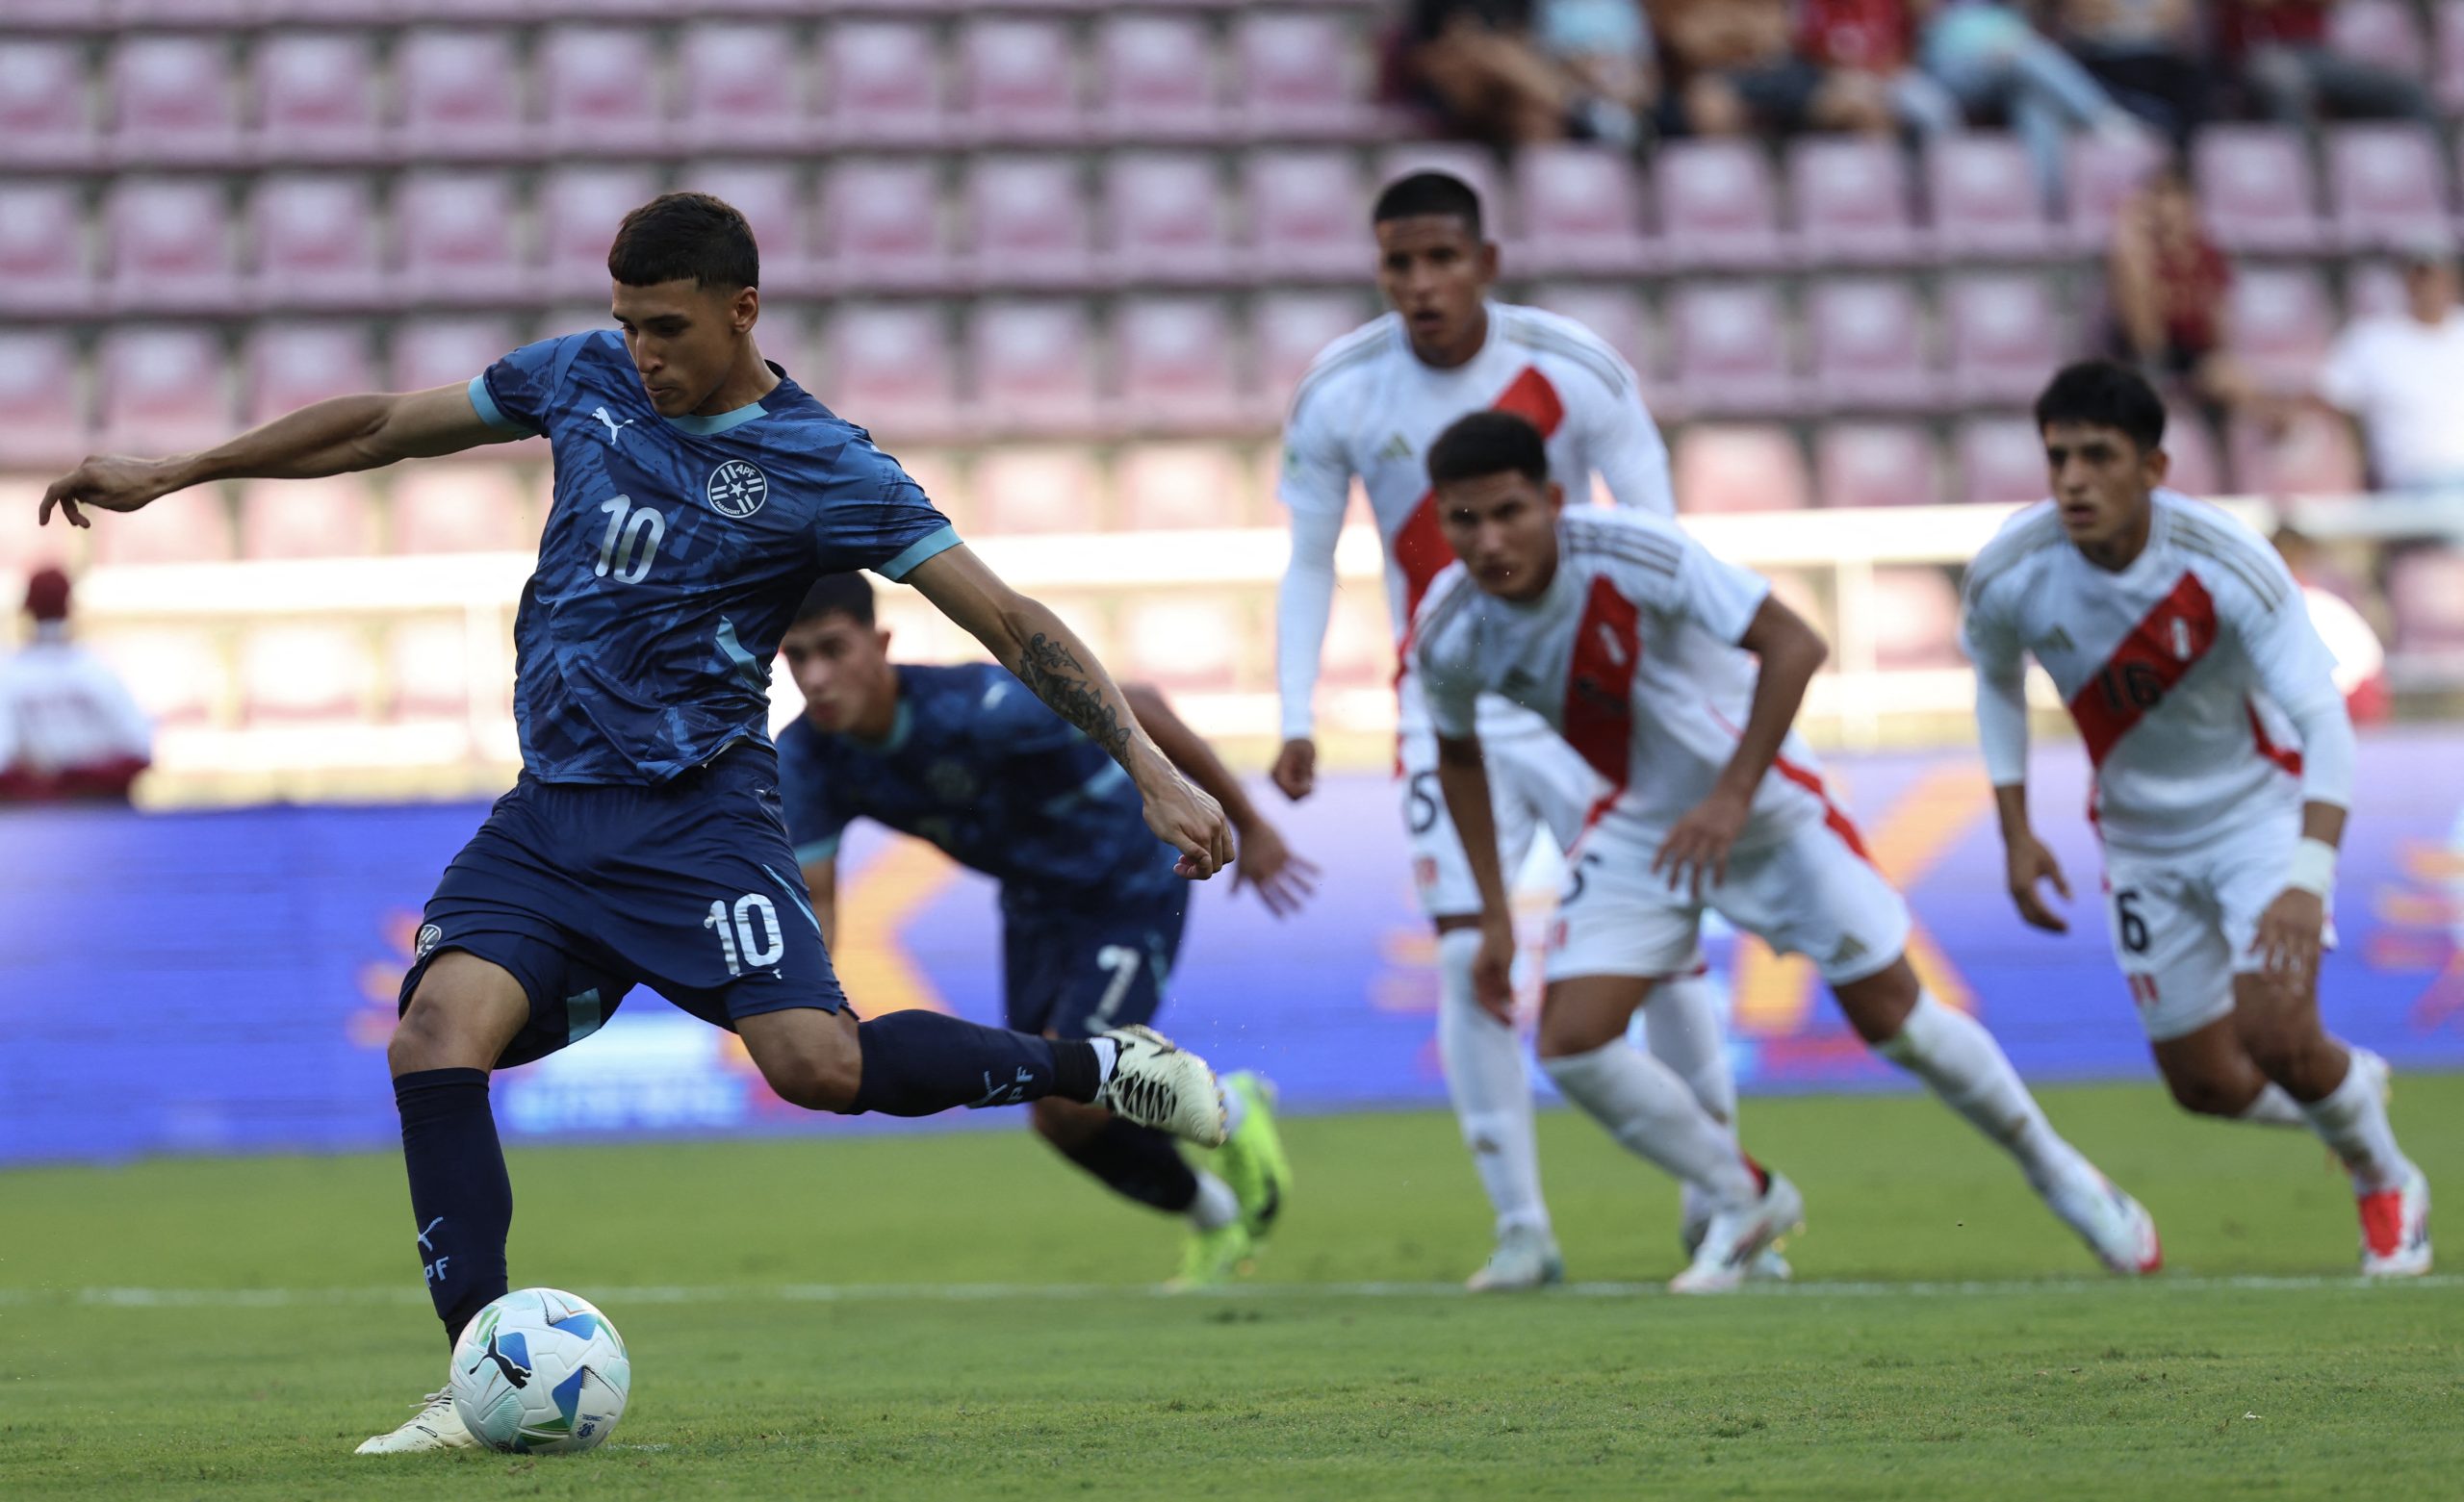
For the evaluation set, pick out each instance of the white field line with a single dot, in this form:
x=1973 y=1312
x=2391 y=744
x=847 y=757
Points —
x=979 y=1292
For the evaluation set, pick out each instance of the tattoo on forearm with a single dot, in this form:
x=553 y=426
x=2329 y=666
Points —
x=1060 y=680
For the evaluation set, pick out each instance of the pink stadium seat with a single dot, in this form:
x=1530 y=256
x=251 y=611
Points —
x=1038 y=490
x=1034 y=365
x=2312 y=454
x=315 y=242
x=460 y=509
x=771 y=195
x=1174 y=359
x=291 y=365
x=2385 y=33
x=1163 y=217
x=1309 y=217
x=428 y=672
x=162 y=389
x=220 y=14
x=316 y=97
x=329 y=517
x=1301 y=74
x=2425 y=591
x=883 y=83
x=1917 y=620
x=191 y=527
x=2281 y=325
x=2255 y=190
x=42 y=420
x=1580 y=211
x=169 y=246
x=2103 y=172
x=743 y=89
x=2449 y=60
x=2005 y=336
x=177 y=674
x=1017 y=79
x=2196 y=468
x=889 y=368
x=1190 y=643
x=1877 y=463
x=2386 y=184
x=580 y=208
x=1163 y=486
x=45 y=113
x=1723 y=467
x=1868 y=340
x=1731 y=349
x=2374 y=288
x=455 y=235
x=881 y=224
x=1718 y=205
x=1156 y=78
x=440 y=352
x=1851 y=201
x=44 y=266
x=2000 y=458
x=1289 y=329
x=1985 y=199
x=171 y=100
x=1613 y=312
x=1028 y=222
x=460 y=94
x=304 y=672
x=598 y=87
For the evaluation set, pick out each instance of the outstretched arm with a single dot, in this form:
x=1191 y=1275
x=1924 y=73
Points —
x=1284 y=880
x=1025 y=637
x=333 y=436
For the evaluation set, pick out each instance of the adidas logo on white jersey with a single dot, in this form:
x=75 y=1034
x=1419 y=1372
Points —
x=1398 y=448
x=2055 y=639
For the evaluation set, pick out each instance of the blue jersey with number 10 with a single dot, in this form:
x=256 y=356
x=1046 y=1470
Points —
x=674 y=554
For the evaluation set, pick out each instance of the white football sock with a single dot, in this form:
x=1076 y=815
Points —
x=1215 y=1205
x=1484 y=1075
x=1683 y=1020
x=2274 y=1108
x=2352 y=1121
x=1236 y=1110
x=1645 y=1106
x=1107 y=1054
x=1954 y=1055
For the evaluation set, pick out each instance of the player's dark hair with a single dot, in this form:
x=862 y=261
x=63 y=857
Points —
x=1488 y=442
x=1423 y=195
x=685 y=238
x=2104 y=394
x=848 y=595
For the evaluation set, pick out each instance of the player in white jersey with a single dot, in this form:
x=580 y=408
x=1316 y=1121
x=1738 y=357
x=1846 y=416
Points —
x=1369 y=408
x=1612 y=626
x=2223 y=767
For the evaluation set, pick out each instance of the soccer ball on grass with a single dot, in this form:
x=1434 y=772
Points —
x=540 y=1371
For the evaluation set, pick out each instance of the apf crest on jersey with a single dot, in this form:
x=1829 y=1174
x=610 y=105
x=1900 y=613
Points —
x=737 y=488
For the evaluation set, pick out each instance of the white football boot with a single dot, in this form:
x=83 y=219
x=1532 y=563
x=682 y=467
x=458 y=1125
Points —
x=436 y=1426
x=1158 y=1084
x=1695 y=1218
x=1739 y=1233
x=2116 y=1227
x=2395 y=1230
x=1527 y=1257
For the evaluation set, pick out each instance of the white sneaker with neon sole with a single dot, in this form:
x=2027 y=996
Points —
x=1158 y=1084
x=436 y=1426
x=1526 y=1257
x=2395 y=1230
x=1738 y=1234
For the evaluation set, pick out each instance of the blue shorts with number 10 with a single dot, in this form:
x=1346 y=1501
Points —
x=583 y=891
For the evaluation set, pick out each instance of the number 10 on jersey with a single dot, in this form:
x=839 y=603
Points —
x=631 y=542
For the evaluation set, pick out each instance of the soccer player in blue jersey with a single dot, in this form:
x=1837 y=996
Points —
x=698 y=492
x=1091 y=911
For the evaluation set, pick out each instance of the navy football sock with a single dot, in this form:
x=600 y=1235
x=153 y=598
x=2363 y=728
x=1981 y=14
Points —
x=461 y=1198
x=1139 y=1162
x=919 y=1063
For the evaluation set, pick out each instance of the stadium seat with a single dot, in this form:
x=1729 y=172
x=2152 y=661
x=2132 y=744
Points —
x=1877 y=463
x=1851 y=196
x=2311 y=454
x=316 y=98
x=44 y=113
x=1034 y=367
x=1017 y=81
x=290 y=365
x=1299 y=74
x=2255 y=190
x=2374 y=288
x=2103 y=170
x=2426 y=593
x=2281 y=323
x=315 y=242
x=428 y=672
x=888 y=368
x=1186 y=642
x=193 y=527
x=743 y=89
x=1308 y=216
x=1730 y=349
x=1163 y=486
x=1474 y=164
x=1173 y=356
x=599 y=90
x=439 y=351
x=1164 y=220
x=162 y=389
x=579 y=210
x=1718 y=206
x=2385 y=33
x=1915 y=620
x=2196 y=469
x=171 y=100
x=45 y=267
x=1027 y=223
x=176 y=674
x=329 y=517
x=1868 y=345
x=881 y=225
x=304 y=670
x=450 y=508
x=454 y=232
x=2000 y=458
x=2386 y=185
x=1614 y=313
x=2005 y=336
x=1985 y=201
x=1580 y=213
x=1021 y=490
x=1291 y=328
x=881 y=83
x=42 y=421
x=2449 y=60
x=1156 y=79
x=1721 y=468
x=771 y=195
x=168 y=247
x=459 y=94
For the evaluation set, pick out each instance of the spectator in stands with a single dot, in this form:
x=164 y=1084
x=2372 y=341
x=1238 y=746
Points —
x=2278 y=50
x=68 y=729
x=2400 y=377
x=1487 y=69
x=1876 y=39
x=1998 y=65
x=2169 y=285
x=1606 y=45
x=2146 y=54
x=1734 y=69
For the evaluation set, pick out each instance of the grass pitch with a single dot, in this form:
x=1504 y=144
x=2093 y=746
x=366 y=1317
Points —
x=957 y=1314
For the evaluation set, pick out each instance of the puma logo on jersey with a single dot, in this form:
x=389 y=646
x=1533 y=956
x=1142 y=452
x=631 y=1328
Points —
x=615 y=429
x=1398 y=448
x=2055 y=639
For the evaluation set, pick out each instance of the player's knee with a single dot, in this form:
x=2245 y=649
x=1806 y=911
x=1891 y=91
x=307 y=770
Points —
x=2206 y=1094
x=815 y=1081
x=2282 y=1046
x=1878 y=1006
x=462 y=1016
